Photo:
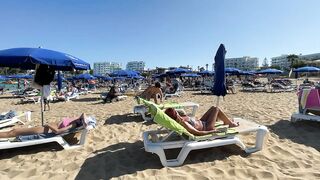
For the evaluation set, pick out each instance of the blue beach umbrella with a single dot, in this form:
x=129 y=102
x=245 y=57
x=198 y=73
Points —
x=206 y=72
x=2 y=78
x=28 y=58
x=119 y=78
x=270 y=71
x=84 y=76
x=107 y=78
x=247 y=73
x=307 y=69
x=232 y=71
x=190 y=75
x=138 y=77
x=124 y=73
x=178 y=71
x=219 y=87
x=159 y=75
x=20 y=76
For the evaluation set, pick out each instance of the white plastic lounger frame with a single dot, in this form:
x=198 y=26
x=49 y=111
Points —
x=34 y=99
x=58 y=138
x=154 y=145
x=12 y=121
x=142 y=109
x=304 y=117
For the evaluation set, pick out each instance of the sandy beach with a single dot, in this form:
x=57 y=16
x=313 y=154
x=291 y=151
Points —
x=114 y=150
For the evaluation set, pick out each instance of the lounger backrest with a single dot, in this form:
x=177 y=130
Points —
x=164 y=120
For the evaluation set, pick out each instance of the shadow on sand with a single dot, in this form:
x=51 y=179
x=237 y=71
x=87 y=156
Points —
x=9 y=97
x=302 y=132
x=28 y=150
x=129 y=158
x=124 y=118
x=47 y=147
x=85 y=99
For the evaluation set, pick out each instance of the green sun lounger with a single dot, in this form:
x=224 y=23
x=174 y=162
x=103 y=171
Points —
x=142 y=109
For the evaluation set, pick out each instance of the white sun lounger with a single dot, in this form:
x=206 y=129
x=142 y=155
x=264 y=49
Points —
x=34 y=99
x=8 y=144
x=305 y=117
x=154 y=144
x=14 y=120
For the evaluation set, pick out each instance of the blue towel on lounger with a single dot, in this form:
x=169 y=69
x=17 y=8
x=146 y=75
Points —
x=35 y=136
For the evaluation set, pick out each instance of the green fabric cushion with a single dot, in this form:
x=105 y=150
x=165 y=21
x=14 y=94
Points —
x=164 y=120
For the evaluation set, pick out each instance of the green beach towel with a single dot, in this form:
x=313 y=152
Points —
x=164 y=120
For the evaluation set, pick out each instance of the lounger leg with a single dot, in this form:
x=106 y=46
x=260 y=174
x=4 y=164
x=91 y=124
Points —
x=82 y=140
x=261 y=133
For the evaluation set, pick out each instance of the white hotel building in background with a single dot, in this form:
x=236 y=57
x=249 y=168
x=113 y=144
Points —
x=103 y=68
x=283 y=62
x=136 y=66
x=245 y=63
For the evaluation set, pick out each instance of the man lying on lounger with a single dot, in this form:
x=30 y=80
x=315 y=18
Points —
x=57 y=128
x=205 y=125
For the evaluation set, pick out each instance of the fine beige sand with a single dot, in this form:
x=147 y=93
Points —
x=114 y=150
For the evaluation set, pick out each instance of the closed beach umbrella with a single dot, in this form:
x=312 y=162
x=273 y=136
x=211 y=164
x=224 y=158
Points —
x=219 y=87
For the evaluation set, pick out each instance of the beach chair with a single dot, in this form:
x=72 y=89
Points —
x=252 y=88
x=30 y=140
x=277 y=87
x=15 y=119
x=309 y=105
x=157 y=141
x=142 y=109
x=177 y=93
x=34 y=99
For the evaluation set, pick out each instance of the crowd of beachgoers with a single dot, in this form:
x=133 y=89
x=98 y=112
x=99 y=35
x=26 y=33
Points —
x=115 y=148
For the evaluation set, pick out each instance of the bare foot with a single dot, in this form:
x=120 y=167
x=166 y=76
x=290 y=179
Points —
x=234 y=124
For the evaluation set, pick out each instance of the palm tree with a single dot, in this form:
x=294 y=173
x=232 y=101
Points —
x=207 y=65
x=292 y=58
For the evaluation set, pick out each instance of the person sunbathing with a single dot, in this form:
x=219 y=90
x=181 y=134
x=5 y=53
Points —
x=57 y=128
x=153 y=92
x=203 y=126
x=112 y=94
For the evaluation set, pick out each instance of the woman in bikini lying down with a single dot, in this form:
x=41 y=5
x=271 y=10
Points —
x=203 y=126
x=64 y=125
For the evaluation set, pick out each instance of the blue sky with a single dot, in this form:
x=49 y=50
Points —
x=162 y=32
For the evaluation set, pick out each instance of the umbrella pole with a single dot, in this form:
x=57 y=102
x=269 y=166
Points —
x=41 y=102
x=218 y=100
